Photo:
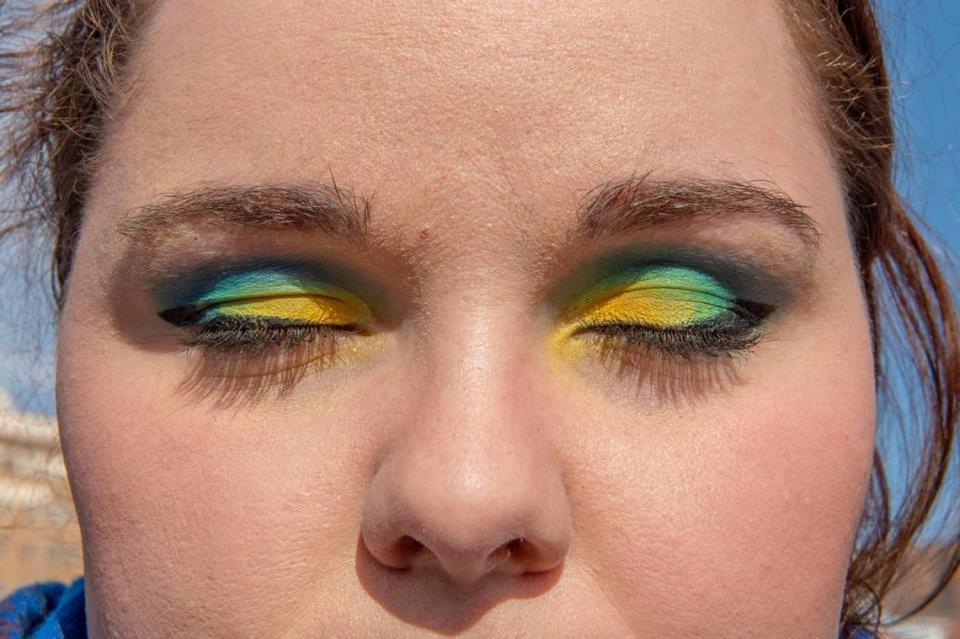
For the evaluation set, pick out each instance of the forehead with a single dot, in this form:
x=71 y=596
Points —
x=450 y=101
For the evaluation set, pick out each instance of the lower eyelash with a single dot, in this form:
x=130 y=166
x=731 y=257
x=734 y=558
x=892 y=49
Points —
x=673 y=366
x=242 y=360
x=706 y=342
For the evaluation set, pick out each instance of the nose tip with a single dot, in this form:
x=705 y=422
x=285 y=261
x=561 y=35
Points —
x=467 y=532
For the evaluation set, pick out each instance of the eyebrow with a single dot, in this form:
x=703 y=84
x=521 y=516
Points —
x=638 y=203
x=613 y=208
x=324 y=208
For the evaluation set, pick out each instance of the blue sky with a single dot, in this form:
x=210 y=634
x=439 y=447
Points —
x=923 y=47
x=923 y=40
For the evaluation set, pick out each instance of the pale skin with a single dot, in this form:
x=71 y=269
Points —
x=722 y=510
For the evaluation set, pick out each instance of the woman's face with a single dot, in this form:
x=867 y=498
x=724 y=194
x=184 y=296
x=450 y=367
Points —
x=447 y=318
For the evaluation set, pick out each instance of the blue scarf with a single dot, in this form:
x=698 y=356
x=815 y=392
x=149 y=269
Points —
x=44 y=611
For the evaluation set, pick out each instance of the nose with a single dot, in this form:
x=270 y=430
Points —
x=471 y=486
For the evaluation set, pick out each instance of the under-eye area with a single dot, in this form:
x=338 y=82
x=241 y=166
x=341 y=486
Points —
x=655 y=374
x=262 y=369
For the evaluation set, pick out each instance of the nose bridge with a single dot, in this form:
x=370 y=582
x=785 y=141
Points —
x=471 y=359
x=470 y=483
x=476 y=347
x=474 y=446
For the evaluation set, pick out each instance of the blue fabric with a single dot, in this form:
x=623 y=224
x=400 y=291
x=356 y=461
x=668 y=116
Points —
x=44 y=611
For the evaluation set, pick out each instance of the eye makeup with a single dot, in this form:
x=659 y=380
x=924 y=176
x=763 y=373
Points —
x=260 y=303
x=661 y=296
x=688 y=303
x=271 y=293
x=657 y=310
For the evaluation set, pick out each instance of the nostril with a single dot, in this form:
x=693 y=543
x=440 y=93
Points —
x=500 y=554
x=400 y=554
x=518 y=555
x=515 y=550
x=526 y=557
x=519 y=547
x=406 y=552
x=408 y=545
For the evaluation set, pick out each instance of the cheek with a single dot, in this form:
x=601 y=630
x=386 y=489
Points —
x=175 y=495
x=747 y=504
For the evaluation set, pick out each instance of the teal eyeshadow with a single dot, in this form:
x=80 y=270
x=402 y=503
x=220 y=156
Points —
x=714 y=302
x=733 y=278
x=252 y=285
x=259 y=283
x=190 y=298
x=698 y=283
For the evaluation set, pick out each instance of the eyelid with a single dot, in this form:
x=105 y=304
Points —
x=283 y=291
x=220 y=277
x=661 y=321
x=739 y=264
x=309 y=308
x=656 y=295
x=617 y=307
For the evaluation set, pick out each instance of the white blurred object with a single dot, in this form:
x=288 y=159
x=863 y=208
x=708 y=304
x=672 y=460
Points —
x=923 y=628
x=30 y=462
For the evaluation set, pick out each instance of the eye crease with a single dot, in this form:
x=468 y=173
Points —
x=259 y=307
x=270 y=294
x=666 y=308
x=665 y=296
x=658 y=296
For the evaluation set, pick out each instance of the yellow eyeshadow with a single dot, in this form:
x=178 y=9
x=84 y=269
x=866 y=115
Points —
x=662 y=308
x=658 y=297
x=308 y=309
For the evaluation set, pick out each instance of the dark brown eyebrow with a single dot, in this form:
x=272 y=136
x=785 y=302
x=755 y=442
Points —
x=638 y=202
x=326 y=208
x=612 y=208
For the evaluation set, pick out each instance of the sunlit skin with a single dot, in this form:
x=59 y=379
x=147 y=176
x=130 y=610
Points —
x=463 y=477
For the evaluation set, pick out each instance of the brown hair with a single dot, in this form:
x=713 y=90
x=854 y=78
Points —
x=61 y=69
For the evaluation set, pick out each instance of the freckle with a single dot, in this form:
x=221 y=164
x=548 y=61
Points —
x=424 y=234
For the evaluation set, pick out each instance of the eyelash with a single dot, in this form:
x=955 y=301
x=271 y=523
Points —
x=701 y=341
x=708 y=340
x=685 y=343
x=245 y=357
x=250 y=335
x=670 y=365
x=730 y=337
